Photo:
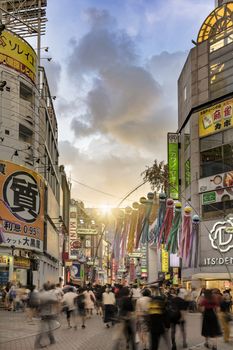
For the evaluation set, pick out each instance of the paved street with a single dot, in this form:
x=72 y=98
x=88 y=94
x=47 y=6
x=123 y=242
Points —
x=17 y=334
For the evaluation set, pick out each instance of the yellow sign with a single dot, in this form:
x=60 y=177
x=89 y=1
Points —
x=21 y=206
x=216 y=118
x=16 y=53
x=165 y=260
x=22 y=262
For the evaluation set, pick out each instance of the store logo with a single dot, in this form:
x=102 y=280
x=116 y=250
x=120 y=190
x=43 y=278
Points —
x=21 y=194
x=221 y=235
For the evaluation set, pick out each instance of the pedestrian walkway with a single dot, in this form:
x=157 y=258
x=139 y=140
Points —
x=17 y=334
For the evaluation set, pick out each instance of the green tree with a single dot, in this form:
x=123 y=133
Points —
x=157 y=176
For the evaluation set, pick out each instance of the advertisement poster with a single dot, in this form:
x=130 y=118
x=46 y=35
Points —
x=173 y=165
x=18 y=54
x=21 y=206
x=216 y=118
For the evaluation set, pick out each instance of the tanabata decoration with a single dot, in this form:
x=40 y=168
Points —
x=125 y=231
x=118 y=232
x=161 y=213
x=167 y=222
x=133 y=225
x=173 y=238
x=145 y=225
x=185 y=233
x=141 y=214
x=193 y=249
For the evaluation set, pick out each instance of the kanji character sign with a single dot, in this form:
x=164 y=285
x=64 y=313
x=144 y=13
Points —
x=22 y=195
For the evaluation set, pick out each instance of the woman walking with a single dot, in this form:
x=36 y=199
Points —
x=109 y=302
x=210 y=324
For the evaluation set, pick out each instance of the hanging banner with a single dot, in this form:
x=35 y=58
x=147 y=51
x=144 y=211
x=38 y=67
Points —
x=164 y=260
x=21 y=206
x=216 y=118
x=173 y=165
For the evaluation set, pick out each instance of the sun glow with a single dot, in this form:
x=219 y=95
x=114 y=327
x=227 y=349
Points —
x=105 y=209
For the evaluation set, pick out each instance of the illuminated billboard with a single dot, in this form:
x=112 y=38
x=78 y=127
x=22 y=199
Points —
x=21 y=206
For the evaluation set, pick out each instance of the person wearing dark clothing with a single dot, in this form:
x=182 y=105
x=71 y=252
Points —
x=156 y=318
x=176 y=314
x=225 y=315
x=210 y=323
x=125 y=328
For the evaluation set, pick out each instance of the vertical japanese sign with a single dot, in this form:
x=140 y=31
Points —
x=187 y=168
x=21 y=206
x=16 y=53
x=216 y=118
x=164 y=260
x=144 y=272
x=173 y=165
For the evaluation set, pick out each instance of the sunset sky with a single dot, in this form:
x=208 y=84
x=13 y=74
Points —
x=115 y=66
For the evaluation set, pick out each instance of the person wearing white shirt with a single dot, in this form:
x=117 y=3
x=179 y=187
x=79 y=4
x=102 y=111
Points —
x=109 y=302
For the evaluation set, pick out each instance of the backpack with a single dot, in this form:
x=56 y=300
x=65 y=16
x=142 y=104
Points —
x=81 y=301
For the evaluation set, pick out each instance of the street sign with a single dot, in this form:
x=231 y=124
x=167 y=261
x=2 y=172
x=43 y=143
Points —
x=86 y=231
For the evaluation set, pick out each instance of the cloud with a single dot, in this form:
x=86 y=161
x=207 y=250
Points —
x=126 y=109
x=53 y=72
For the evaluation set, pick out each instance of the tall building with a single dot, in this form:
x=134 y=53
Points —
x=30 y=178
x=205 y=107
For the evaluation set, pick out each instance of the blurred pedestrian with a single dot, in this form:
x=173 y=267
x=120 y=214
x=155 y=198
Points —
x=210 y=324
x=80 y=301
x=47 y=311
x=109 y=302
x=89 y=301
x=225 y=315
x=176 y=312
x=32 y=303
x=69 y=303
x=142 y=306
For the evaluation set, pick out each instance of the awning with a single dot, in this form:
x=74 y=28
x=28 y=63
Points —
x=212 y=276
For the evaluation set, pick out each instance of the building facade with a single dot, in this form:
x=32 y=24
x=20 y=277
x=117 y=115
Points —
x=30 y=180
x=205 y=108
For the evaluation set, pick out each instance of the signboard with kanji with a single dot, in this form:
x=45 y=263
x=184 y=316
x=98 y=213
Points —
x=21 y=206
x=173 y=165
x=16 y=53
x=216 y=118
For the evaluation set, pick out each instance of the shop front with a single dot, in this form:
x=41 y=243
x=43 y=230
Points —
x=215 y=268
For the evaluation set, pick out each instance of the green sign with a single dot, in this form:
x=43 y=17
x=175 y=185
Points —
x=209 y=197
x=187 y=173
x=173 y=165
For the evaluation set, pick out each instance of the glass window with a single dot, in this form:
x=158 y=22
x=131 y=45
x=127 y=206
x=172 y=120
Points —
x=228 y=136
x=25 y=134
x=211 y=155
x=211 y=141
x=26 y=93
x=215 y=210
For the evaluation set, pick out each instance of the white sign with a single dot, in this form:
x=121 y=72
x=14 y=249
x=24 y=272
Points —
x=221 y=236
x=228 y=260
x=217 y=182
x=22 y=242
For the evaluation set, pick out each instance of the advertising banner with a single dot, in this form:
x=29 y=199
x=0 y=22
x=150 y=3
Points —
x=216 y=118
x=218 y=183
x=21 y=206
x=173 y=165
x=16 y=53
x=164 y=261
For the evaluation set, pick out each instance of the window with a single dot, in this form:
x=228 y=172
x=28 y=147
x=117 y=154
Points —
x=25 y=134
x=216 y=153
x=215 y=210
x=26 y=93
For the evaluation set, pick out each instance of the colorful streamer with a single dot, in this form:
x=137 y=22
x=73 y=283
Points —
x=167 y=222
x=125 y=231
x=133 y=226
x=141 y=214
x=172 y=241
x=161 y=214
x=145 y=227
x=193 y=251
x=185 y=233
x=117 y=238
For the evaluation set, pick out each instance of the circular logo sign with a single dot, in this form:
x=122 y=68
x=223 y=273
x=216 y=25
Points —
x=22 y=195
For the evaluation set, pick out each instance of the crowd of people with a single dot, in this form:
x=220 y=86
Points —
x=139 y=314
